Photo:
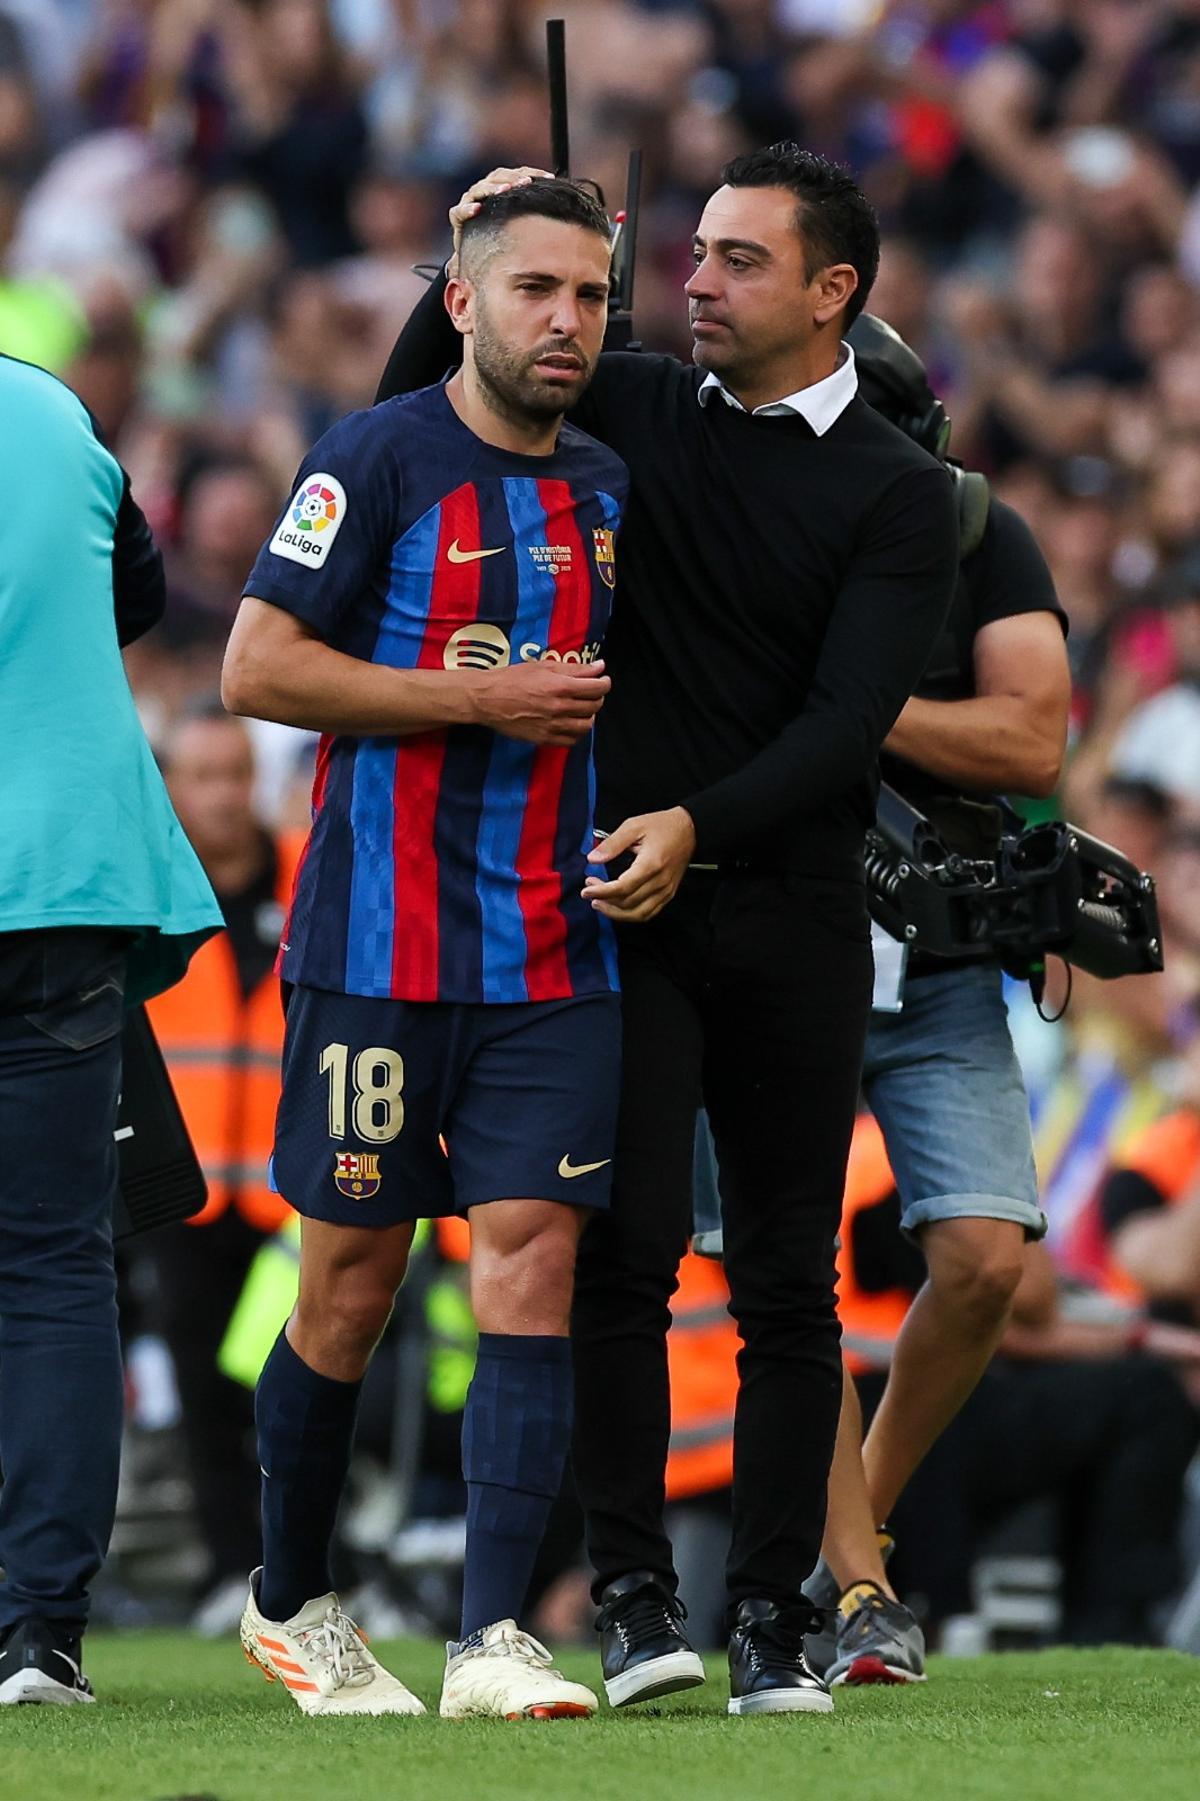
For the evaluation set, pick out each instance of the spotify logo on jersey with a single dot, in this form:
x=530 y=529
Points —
x=477 y=647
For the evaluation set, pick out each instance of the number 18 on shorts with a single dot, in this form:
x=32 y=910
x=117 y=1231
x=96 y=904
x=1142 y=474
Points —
x=400 y=1110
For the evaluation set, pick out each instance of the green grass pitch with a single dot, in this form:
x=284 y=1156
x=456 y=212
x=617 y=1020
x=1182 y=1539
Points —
x=182 y=1718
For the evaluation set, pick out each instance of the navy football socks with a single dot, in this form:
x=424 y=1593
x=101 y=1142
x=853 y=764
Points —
x=516 y=1431
x=305 y=1432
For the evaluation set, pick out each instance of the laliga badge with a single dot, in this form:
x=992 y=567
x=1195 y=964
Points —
x=312 y=521
x=356 y=1176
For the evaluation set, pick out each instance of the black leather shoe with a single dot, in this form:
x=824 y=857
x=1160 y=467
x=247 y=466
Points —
x=40 y=1663
x=768 y=1671
x=643 y=1646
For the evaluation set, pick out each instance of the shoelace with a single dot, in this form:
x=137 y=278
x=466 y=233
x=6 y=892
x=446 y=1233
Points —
x=779 y=1643
x=336 y=1642
x=517 y=1644
x=649 y=1611
x=866 y=1615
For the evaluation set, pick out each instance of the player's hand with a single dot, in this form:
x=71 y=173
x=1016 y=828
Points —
x=663 y=845
x=498 y=182
x=542 y=703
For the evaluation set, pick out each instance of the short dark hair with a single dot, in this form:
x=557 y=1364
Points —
x=545 y=197
x=834 y=216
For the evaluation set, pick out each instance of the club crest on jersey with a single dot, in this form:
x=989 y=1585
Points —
x=312 y=522
x=356 y=1176
x=606 y=554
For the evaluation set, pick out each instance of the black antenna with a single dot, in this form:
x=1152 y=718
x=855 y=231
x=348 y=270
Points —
x=556 y=61
x=629 y=235
x=620 y=306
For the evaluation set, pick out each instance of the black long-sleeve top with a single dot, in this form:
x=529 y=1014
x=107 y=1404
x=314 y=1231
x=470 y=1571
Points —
x=778 y=594
x=139 y=585
x=139 y=579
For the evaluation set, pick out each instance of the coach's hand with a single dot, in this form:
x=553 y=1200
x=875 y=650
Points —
x=498 y=182
x=541 y=703
x=663 y=845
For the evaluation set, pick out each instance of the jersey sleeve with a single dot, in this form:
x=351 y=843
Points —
x=338 y=525
x=1012 y=575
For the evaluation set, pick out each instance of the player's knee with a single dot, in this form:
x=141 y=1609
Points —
x=529 y=1278
x=975 y=1266
x=346 y=1320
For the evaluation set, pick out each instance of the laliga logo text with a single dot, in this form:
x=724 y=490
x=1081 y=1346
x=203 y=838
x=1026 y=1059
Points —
x=485 y=646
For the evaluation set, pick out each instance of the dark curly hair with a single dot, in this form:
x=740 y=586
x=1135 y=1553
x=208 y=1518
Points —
x=834 y=217
x=545 y=197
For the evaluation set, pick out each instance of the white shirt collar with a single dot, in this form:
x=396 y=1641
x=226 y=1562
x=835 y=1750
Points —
x=821 y=403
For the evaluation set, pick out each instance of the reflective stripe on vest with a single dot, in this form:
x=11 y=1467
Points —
x=704 y=1432
x=224 y=1056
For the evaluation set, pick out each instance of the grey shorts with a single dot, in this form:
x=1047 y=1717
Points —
x=942 y=1079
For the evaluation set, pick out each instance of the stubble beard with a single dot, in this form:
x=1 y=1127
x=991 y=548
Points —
x=507 y=384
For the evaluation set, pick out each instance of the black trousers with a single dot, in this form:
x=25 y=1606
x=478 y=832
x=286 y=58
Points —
x=751 y=993
x=61 y=1388
x=200 y=1274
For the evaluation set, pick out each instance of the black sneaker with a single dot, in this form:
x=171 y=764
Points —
x=768 y=1671
x=643 y=1647
x=40 y=1663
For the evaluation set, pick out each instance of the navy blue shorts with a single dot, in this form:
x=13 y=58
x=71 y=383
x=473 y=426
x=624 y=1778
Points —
x=523 y=1097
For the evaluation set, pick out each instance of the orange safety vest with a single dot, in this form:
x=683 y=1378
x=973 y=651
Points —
x=453 y=1235
x=223 y=1052
x=1167 y=1153
x=871 y=1322
x=702 y=1350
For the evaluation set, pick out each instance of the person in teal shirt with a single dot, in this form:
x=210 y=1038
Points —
x=102 y=902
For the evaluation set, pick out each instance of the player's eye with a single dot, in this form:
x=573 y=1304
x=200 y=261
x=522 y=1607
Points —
x=739 y=263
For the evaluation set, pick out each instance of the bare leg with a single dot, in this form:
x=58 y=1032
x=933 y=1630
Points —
x=348 y=1281
x=850 y=1547
x=523 y=1266
x=945 y=1344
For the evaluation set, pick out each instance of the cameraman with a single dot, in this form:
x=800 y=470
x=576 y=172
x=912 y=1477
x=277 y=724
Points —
x=940 y=1074
x=101 y=903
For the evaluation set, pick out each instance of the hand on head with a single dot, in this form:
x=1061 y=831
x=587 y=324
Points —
x=499 y=181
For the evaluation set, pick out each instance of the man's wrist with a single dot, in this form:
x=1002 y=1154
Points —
x=687 y=824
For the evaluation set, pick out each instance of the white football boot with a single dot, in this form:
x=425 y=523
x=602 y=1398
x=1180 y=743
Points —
x=504 y=1674
x=322 y=1659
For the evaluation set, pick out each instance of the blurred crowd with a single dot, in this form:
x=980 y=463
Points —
x=210 y=213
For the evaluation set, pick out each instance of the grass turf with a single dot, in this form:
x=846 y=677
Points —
x=180 y=1717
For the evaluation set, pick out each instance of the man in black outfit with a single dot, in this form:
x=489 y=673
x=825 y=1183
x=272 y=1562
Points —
x=786 y=562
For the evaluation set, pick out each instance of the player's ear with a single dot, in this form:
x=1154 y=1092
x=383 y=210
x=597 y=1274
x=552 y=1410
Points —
x=832 y=291
x=460 y=304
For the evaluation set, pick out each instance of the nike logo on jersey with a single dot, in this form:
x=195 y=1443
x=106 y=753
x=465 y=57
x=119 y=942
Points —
x=455 y=555
x=567 y=1169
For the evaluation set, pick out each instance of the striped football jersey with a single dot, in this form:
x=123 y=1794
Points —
x=447 y=865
